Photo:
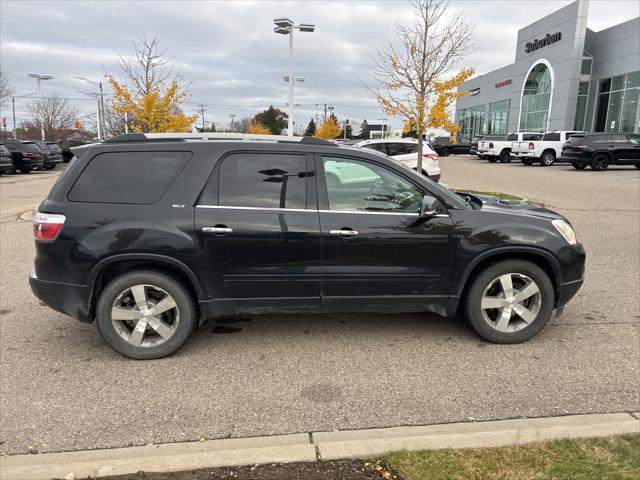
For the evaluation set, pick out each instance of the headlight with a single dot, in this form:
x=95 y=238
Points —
x=565 y=230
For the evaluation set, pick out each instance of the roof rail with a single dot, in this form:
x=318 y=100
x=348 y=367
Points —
x=145 y=137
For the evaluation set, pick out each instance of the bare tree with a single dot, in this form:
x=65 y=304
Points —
x=241 y=126
x=114 y=122
x=55 y=114
x=145 y=71
x=411 y=75
x=5 y=89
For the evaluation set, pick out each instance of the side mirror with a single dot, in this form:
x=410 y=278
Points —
x=429 y=206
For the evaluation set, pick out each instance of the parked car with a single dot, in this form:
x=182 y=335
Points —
x=66 y=147
x=26 y=155
x=473 y=148
x=6 y=162
x=245 y=225
x=405 y=151
x=498 y=147
x=48 y=157
x=444 y=147
x=599 y=150
x=546 y=150
x=54 y=155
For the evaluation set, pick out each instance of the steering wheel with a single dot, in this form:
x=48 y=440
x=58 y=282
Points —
x=403 y=199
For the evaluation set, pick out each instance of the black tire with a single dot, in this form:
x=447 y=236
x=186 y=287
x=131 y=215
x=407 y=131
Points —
x=485 y=278
x=548 y=158
x=332 y=179
x=526 y=161
x=492 y=159
x=26 y=170
x=445 y=152
x=599 y=162
x=184 y=303
x=579 y=166
x=49 y=167
x=505 y=156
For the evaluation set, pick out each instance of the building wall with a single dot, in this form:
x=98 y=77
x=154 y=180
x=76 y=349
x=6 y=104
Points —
x=615 y=51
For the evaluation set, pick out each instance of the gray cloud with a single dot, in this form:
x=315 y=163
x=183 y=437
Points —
x=230 y=58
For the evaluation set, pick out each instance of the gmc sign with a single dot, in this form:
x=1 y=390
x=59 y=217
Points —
x=503 y=83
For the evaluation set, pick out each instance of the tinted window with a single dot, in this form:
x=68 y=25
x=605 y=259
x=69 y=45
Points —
x=262 y=180
x=402 y=148
x=31 y=146
x=531 y=136
x=512 y=137
x=600 y=138
x=128 y=177
x=354 y=185
x=551 y=137
x=576 y=139
x=380 y=147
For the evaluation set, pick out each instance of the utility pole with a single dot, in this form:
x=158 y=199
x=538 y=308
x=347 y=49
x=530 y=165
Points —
x=232 y=116
x=102 y=123
x=13 y=107
x=202 y=110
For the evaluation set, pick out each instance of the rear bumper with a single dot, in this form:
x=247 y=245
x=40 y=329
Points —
x=72 y=300
x=578 y=160
x=528 y=154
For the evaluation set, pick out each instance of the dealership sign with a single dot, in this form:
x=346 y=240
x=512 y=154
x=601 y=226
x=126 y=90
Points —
x=547 y=40
x=503 y=83
x=474 y=91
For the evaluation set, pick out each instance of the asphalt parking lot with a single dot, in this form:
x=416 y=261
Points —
x=63 y=388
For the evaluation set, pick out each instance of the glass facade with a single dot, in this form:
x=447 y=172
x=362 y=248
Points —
x=498 y=117
x=472 y=123
x=536 y=98
x=617 y=104
x=581 y=106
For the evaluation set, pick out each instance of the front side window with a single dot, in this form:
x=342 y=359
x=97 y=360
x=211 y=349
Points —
x=138 y=178
x=355 y=185
x=551 y=137
x=378 y=147
x=263 y=181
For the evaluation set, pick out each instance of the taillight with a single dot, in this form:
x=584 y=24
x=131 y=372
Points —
x=432 y=156
x=435 y=178
x=490 y=144
x=531 y=146
x=47 y=226
x=27 y=154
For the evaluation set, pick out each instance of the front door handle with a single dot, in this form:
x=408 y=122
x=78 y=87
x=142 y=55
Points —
x=217 y=230
x=344 y=232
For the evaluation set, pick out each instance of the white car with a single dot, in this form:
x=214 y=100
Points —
x=405 y=151
x=545 y=150
x=498 y=147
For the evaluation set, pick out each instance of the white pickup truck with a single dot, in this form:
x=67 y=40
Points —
x=545 y=150
x=498 y=147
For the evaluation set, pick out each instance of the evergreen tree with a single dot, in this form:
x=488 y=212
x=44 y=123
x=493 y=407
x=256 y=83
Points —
x=365 y=132
x=311 y=129
x=272 y=118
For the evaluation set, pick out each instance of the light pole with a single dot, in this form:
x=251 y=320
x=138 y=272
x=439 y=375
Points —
x=13 y=110
x=284 y=26
x=39 y=78
x=384 y=124
x=100 y=104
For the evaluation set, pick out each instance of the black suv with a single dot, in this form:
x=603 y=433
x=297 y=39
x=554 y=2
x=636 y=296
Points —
x=599 y=150
x=444 y=147
x=26 y=155
x=150 y=235
x=6 y=162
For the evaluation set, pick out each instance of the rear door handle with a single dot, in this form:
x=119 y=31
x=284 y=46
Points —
x=217 y=230
x=344 y=232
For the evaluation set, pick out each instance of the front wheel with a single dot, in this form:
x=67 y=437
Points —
x=579 y=166
x=510 y=301
x=145 y=314
x=637 y=165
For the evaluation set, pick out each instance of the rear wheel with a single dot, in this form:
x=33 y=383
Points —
x=599 y=162
x=548 y=158
x=445 y=152
x=492 y=159
x=505 y=156
x=579 y=166
x=510 y=301
x=26 y=170
x=526 y=161
x=145 y=314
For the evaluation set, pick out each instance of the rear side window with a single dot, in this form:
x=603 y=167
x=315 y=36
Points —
x=138 y=178
x=551 y=137
x=262 y=180
x=402 y=148
x=380 y=147
x=531 y=136
x=512 y=137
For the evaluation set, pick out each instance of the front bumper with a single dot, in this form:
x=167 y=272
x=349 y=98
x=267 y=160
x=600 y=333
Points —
x=70 y=299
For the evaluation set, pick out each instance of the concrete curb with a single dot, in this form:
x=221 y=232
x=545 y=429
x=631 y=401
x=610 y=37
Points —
x=303 y=447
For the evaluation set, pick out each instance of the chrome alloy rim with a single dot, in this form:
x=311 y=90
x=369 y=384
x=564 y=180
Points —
x=145 y=315
x=511 y=302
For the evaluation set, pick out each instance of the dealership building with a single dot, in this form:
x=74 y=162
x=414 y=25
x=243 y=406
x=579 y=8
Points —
x=565 y=77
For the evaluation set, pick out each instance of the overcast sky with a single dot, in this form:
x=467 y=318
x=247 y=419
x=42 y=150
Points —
x=229 y=56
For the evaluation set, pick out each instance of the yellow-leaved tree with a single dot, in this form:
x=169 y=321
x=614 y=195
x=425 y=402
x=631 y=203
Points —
x=258 y=129
x=150 y=101
x=329 y=128
x=414 y=78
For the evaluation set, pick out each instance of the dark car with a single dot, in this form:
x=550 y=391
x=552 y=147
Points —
x=54 y=155
x=445 y=147
x=66 y=147
x=26 y=155
x=150 y=235
x=6 y=162
x=599 y=150
x=473 y=147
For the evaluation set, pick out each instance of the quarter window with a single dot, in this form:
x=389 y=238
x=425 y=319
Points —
x=354 y=185
x=261 y=180
x=139 y=178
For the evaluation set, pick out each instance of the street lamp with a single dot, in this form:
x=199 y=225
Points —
x=100 y=104
x=284 y=26
x=384 y=124
x=39 y=78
